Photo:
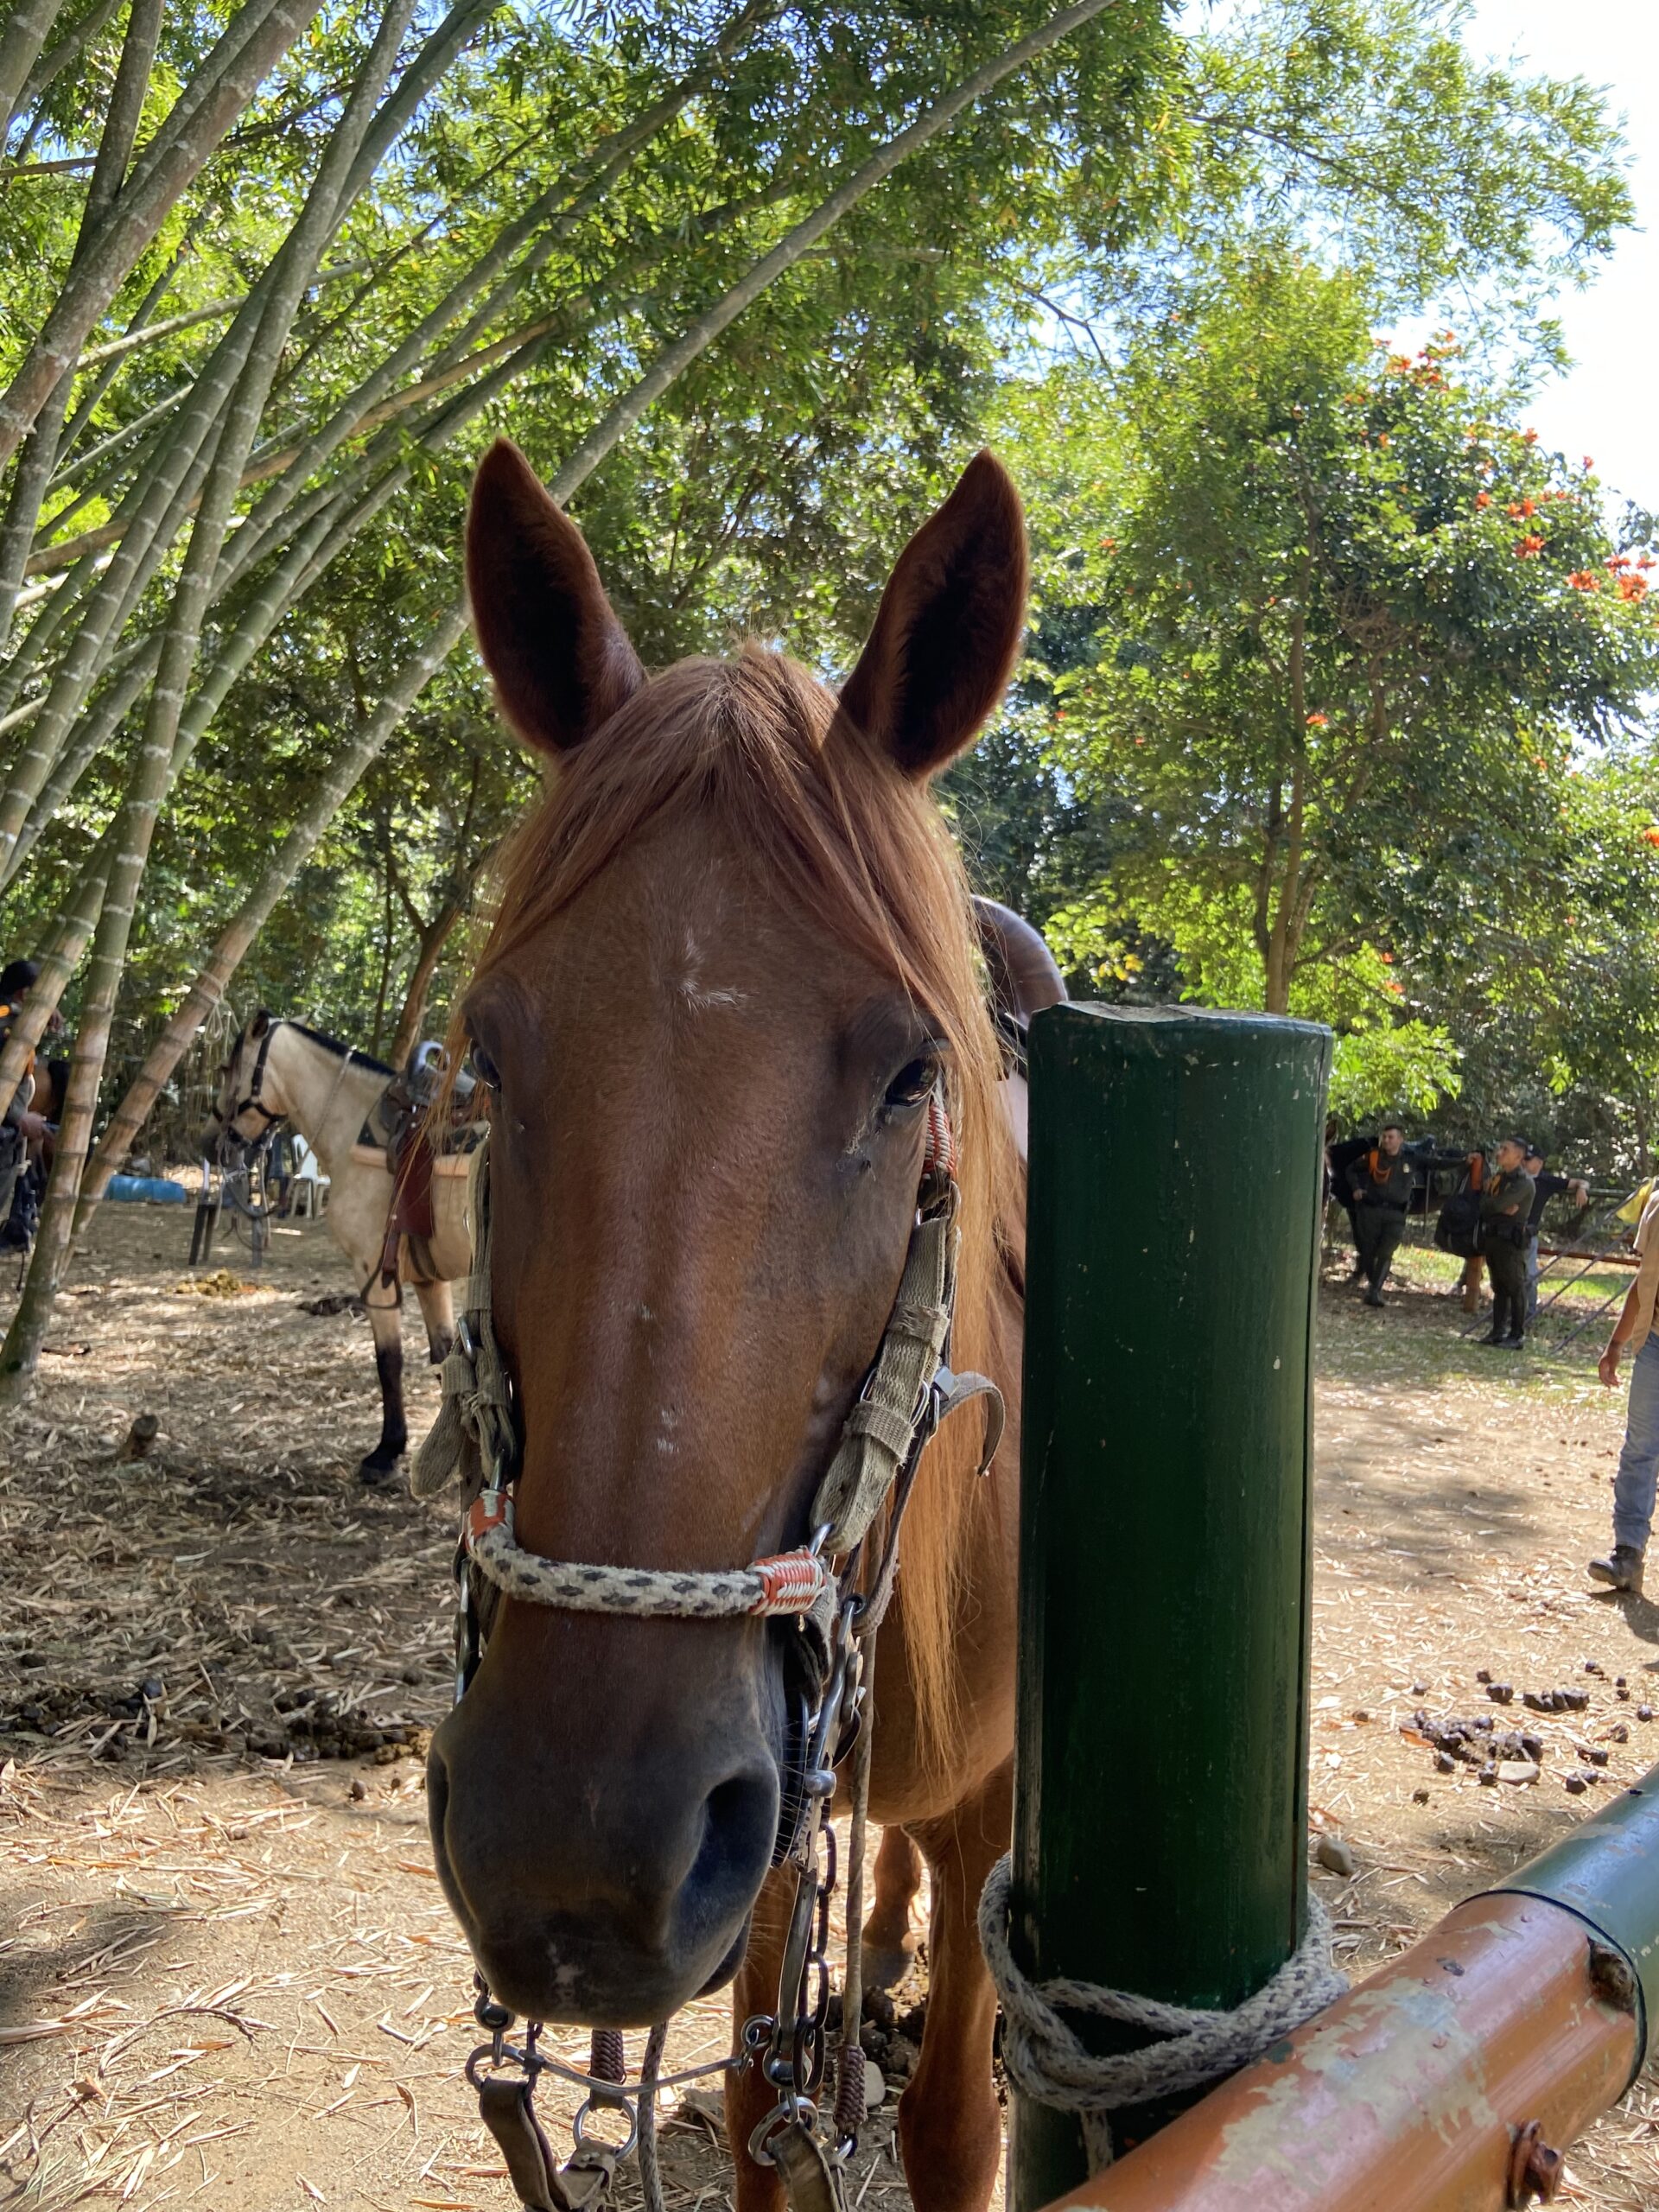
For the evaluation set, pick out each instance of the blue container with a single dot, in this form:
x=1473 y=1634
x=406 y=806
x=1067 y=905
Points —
x=156 y=1188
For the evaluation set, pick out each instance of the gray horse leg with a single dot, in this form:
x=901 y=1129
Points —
x=387 y=1322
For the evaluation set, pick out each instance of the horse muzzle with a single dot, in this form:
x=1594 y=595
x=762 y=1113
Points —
x=609 y=1884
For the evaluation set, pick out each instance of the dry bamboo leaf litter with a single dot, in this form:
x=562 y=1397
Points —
x=254 y=1996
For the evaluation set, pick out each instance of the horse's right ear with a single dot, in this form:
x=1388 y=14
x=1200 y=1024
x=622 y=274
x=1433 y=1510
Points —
x=260 y=1023
x=562 y=661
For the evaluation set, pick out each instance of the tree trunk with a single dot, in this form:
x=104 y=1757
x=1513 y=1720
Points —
x=252 y=46
x=388 y=940
x=57 y=58
x=285 y=863
x=21 y=41
x=412 y=1020
x=21 y=1349
x=36 y=464
x=154 y=765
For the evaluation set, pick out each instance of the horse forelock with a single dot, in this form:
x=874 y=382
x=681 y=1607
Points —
x=833 y=831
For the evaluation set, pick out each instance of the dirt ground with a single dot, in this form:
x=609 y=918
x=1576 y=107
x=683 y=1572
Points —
x=226 y=1975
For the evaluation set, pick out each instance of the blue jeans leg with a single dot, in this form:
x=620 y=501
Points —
x=1638 y=1463
x=1532 y=1276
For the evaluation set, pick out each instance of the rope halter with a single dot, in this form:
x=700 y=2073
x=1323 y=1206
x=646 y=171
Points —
x=908 y=1391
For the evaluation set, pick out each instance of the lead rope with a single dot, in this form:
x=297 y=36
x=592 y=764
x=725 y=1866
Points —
x=1045 y=2060
x=907 y=1393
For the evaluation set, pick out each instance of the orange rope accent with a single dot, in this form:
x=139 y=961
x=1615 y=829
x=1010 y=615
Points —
x=790 y=1582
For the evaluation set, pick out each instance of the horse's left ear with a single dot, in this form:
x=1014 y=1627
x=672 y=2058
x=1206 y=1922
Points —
x=260 y=1023
x=948 y=631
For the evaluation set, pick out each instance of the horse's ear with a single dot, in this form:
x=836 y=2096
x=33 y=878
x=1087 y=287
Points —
x=562 y=661
x=947 y=632
x=260 y=1023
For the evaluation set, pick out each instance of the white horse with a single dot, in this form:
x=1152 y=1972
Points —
x=336 y=1098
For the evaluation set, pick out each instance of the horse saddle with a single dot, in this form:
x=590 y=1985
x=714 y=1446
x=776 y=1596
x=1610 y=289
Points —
x=1024 y=978
x=415 y=1140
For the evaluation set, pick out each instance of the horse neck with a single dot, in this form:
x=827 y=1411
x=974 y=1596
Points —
x=326 y=1098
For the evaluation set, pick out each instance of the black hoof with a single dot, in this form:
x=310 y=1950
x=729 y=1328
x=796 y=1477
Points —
x=379 y=1467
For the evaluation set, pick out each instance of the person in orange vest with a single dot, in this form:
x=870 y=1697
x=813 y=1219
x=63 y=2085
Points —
x=1381 y=1180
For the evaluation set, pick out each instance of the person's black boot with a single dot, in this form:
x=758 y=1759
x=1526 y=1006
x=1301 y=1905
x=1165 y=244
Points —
x=1500 y=1328
x=1620 y=1570
x=1373 y=1295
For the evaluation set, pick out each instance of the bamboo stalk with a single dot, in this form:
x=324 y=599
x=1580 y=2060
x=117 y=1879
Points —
x=260 y=35
x=239 y=934
x=36 y=464
x=28 y=29
x=56 y=59
x=23 y=1341
x=160 y=755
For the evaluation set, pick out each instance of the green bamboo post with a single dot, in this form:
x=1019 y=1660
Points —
x=1160 y=1769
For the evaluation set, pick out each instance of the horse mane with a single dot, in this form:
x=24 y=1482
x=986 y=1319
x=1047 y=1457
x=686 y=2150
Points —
x=341 y=1052
x=837 y=831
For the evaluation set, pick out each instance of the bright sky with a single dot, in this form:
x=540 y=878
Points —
x=1608 y=405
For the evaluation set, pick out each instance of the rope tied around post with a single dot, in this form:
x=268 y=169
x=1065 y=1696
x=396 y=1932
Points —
x=1045 y=2059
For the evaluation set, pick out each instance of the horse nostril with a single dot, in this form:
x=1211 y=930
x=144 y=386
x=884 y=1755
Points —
x=740 y=1824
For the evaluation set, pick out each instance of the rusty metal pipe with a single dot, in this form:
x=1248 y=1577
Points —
x=1453 y=2079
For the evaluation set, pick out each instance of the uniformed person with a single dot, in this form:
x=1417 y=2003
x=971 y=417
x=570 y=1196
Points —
x=1505 y=1213
x=1379 y=1182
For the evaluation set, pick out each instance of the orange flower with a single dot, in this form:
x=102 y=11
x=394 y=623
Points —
x=1523 y=510
x=1585 y=580
x=1589 y=460
x=1387 y=959
x=1633 y=588
x=1528 y=437
x=1529 y=548
x=1399 y=989
x=1483 y=498
x=1382 y=440
x=1651 y=834
x=1318 y=721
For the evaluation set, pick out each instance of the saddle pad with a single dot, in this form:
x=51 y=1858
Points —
x=371 y=1155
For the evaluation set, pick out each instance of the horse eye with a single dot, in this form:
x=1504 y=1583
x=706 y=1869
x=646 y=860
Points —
x=912 y=1083
x=483 y=1066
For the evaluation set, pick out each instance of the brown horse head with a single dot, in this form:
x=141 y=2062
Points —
x=732 y=954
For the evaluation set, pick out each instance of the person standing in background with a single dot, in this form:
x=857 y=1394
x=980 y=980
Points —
x=1379 y=1182
x=1637 y=1473
x=1505 y=1212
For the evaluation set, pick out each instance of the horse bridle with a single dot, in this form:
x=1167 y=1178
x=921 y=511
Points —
x=837 y=1587
x=252 y=1103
